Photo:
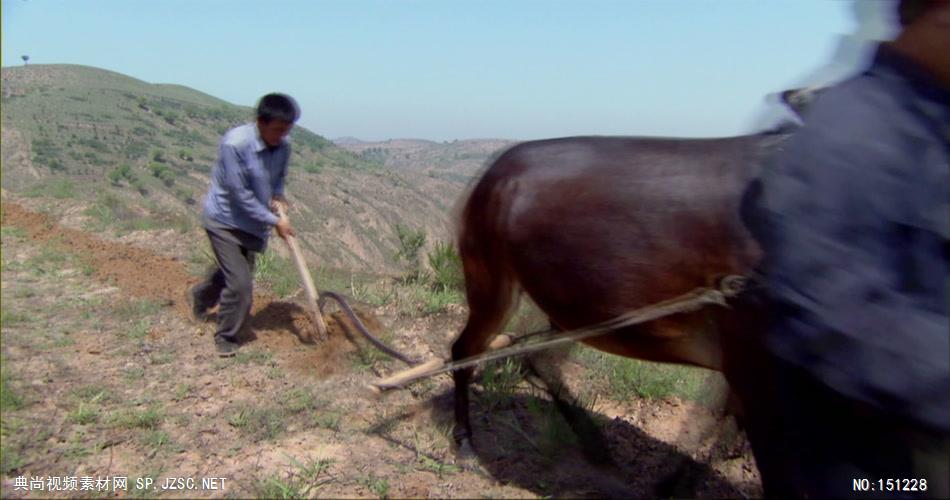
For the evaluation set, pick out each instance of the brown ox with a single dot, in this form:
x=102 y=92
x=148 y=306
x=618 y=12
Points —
x=593 y=227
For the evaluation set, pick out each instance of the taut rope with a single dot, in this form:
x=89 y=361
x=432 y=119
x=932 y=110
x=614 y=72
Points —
x=729 y=287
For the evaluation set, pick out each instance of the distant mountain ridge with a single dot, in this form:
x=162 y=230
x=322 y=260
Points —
x=347 y=140
x=456 y=161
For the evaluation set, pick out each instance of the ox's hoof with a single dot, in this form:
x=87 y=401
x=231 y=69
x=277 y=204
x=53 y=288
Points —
x=466 y=458
x=465 y=449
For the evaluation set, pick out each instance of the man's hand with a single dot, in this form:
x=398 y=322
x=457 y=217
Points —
x=284 y=229
x=279 y=201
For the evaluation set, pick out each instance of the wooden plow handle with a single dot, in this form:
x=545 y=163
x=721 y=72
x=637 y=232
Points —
x=422 y=370
x=308 y=285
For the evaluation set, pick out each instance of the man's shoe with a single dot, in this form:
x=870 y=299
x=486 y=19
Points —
x=199 y=314
x=226 y=348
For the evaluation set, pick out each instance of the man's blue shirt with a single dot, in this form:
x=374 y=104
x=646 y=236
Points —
x=245 y=177
x=854 y=221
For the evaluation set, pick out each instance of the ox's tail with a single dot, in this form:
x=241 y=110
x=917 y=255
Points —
x=483 y=241
x=489 y=278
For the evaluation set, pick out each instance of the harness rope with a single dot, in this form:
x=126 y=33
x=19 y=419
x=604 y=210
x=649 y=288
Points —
x=729 y=287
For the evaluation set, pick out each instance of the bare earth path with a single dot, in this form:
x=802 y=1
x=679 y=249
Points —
x=104 y=375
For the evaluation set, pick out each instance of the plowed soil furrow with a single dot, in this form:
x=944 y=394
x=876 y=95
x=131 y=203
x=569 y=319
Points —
x=283 y=327
x=138 y=272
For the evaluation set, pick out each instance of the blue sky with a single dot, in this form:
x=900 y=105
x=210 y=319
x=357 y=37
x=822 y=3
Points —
x=443 y=70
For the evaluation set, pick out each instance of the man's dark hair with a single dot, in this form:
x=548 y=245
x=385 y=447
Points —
x=278 y=106
x=909 y=11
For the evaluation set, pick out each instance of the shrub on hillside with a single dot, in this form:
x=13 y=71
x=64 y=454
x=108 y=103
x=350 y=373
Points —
x=120 y=173
x=135 y=149
x=313 y=168
x=140 y=186
x=170 y=117
x=409 y=254
x=185 y=195
x=163 y=173
x=446 y=267
x=94 y=144
x=141 y=131
x=46 y=153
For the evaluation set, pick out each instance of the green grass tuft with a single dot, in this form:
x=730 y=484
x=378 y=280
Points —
x=436 y=467
x=276 y=273
x=378 y=485
x=298 y=400
x=56 y=188
x=500 y=381
x=446 y=268
x=10 y=318
x=245 y=356
x=259 y=423
x=12 y=232
x=300 y=483
x=129 y=310
x=328 y=420
x=85 y=413
x=149 y=418
x=628 y=378
x=10 y=398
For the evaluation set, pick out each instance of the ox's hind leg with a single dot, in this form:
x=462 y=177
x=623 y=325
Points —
x=489 y=299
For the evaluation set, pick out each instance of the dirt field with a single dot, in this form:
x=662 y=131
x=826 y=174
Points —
x=104 y=375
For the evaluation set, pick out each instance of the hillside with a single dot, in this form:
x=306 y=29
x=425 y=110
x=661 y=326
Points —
x=125 y=155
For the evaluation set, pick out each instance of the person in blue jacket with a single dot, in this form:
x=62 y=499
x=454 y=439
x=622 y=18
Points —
x=247 y=184
x=853 y=218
